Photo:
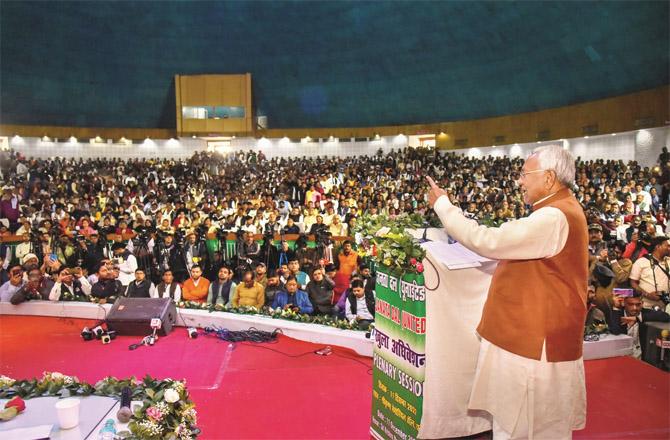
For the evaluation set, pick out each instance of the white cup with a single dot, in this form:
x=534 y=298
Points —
x=68 y=413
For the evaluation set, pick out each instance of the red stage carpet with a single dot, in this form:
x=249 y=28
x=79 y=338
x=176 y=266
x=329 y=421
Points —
x=245 y=391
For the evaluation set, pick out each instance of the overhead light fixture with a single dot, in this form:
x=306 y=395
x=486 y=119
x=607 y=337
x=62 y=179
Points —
x=586 y=137
x=194 y=136
x=73 y=140
x=46 y=138
x=377 y=137
x=442 y=133
x=613 y=134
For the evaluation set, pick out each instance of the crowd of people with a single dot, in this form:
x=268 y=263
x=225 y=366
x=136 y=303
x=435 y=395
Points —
x=157 y=227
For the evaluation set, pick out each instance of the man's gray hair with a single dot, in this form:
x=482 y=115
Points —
x=559 y=160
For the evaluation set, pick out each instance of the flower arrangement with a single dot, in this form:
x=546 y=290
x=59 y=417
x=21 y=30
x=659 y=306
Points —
x=277 y=313
x=166 y=411
x=386 y=241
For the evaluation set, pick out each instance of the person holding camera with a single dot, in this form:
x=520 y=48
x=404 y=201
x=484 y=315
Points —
x=320 y=291
x=626 y=316
x=249 y=250
x=196 y=251
x=38 y=287
x=69 y=287
x=649 y=276
x=170 y=256
x=106 y=285
x=608 y=270
x=93 y=251
x=15 y=283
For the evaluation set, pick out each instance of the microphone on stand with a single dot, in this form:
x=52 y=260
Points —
x=424 y=237
x=124 y=413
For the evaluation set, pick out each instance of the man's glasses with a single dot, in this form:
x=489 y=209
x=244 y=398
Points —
x=523 y=174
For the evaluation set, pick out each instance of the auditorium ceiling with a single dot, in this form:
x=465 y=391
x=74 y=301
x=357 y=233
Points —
x=327 y=63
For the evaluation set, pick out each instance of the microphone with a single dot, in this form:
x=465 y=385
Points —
x=424 y=237
x=124 y=413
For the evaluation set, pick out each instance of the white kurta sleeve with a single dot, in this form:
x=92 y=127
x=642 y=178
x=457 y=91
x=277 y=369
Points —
x=85 y=286
x=54 y=294
x=153 y=293
x=543 y=234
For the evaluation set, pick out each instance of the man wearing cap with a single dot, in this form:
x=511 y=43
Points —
x=261 y=275
x=530 y=372
x=596 y=243
x=649 y=275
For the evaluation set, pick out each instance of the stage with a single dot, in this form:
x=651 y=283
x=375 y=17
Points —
x=284 y=390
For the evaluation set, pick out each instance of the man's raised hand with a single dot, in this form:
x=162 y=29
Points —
x=435 y=192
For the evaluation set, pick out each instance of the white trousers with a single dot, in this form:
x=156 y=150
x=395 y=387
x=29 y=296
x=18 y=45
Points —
x=528 y=398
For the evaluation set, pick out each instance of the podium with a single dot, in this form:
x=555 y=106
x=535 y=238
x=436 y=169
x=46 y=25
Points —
x=423 y=374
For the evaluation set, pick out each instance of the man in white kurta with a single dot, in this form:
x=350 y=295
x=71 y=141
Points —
x=527 y=397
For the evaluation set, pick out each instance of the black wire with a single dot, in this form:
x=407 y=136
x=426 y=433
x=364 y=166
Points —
x=277 y=351
x=104 y=310
x=436 y=273
x=252 y=334
x=369 y=371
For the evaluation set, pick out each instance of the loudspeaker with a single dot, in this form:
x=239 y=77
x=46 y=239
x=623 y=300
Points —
x=132 y=316
x=654 y=345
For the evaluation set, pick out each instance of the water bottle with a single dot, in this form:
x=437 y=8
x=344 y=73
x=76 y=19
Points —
x=108 y=432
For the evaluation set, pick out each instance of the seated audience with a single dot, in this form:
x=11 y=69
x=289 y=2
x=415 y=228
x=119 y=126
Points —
x=300 y=276
x=38 y=287
x=141 y=287
x=168 y=288
x=196 y=288
x=249 y=292
x=15 y=282
x=221 y=290
x=106 y=285
x=67 y=284
x=320 y=291
x=273 y=286
x=293 y=298
x=360 y=305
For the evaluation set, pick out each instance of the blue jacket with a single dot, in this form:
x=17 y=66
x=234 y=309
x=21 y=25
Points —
x=300 y=299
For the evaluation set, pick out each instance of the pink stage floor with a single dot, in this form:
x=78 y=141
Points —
x=284 y=390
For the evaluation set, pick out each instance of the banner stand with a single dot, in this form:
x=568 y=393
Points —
x=399 y=357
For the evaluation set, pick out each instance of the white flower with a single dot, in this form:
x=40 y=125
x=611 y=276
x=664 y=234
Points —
x=6 y=381
x=171 y=396
x=56 y=375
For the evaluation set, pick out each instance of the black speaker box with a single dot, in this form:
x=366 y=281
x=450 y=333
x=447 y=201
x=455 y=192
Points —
x=132 y=316
x=653 y=345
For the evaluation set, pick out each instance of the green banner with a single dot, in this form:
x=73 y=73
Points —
x=399 y=355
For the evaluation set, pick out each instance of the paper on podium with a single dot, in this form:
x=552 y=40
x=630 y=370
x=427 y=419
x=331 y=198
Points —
x=454 y=256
